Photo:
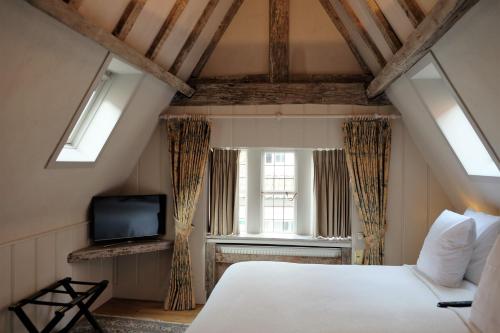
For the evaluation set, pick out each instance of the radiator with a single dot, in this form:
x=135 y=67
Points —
x=323 y=252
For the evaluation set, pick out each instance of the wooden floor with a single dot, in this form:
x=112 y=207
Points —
x=146 y=310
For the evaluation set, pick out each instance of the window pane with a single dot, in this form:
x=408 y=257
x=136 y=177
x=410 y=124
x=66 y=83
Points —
x=278 y=197
x=243 y=191
x=453 y=122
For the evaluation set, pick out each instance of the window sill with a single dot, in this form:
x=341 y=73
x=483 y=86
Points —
x=279 y=239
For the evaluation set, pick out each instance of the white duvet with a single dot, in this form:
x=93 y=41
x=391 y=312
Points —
x=258 y=297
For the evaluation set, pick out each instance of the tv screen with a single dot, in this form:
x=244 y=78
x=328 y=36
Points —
x=128 y=217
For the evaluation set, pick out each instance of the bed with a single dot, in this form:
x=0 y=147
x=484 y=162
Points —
x=259 y=297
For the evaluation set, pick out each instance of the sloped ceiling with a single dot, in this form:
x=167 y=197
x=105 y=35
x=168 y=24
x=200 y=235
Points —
x=468 y=54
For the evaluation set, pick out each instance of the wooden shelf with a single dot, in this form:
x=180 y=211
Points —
x=121 y=249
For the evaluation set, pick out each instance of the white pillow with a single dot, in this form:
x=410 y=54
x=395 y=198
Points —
x=447 y=249
x=487 y=230
x=484 y=312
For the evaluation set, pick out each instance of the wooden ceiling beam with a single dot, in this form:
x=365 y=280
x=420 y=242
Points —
x=413 y=11
x=293 y=78
x=226 y=21
x=279 y=26
x=74 y=3
x=362 y=31
x=128 y=18
x=65 y=14
x=166 y=28
x=258 y=93
x=193 y=36
x=334 y=17
x=384 y=26
x=441 y=18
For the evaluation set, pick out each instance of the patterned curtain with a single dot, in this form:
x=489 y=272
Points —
x=223 y=191
x=367 y=144
x=189 y=146
x=331 y=189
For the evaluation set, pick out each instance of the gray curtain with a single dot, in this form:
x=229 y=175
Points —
x=331 y=189
x=223 y=191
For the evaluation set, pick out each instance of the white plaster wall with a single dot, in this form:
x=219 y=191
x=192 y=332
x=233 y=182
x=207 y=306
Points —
x=35 y=262
x=415 y=197
x=468 y=54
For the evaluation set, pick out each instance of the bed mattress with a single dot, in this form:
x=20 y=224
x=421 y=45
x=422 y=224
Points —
x=258 y=297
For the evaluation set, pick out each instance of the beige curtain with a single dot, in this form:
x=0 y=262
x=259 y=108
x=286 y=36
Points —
x=223 y=187
x=367 y=144
x=331 y=189
x=189 y=147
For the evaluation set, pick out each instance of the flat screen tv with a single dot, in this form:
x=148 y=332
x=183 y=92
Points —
x=132 y=217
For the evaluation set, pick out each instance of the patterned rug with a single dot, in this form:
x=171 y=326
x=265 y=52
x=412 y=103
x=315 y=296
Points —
x=112 y=324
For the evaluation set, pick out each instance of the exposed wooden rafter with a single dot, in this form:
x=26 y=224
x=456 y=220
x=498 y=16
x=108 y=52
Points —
x=334 y=17
x=74 y=3
x=384 y=26
x=128 y=18
x=441 y=18
x=65 y=14
x=279 y=26
x=413 y=11
x=250 y=92
x=193 y=36
x=293 y=78
x=166 y=28
x=226 y=21
x=362 y=31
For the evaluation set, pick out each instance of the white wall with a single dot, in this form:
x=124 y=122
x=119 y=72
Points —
x=46 y=69
x=35 y=262
x=468 y=54
x=415 y=197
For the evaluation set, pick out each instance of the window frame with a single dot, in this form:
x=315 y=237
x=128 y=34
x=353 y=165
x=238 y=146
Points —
x=53 y=163
x=261 y=182
x=416 y=69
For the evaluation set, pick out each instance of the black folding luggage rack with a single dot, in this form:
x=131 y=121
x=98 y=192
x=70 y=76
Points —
x=83 y=300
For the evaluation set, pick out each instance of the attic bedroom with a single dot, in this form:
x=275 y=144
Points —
x=223 y=166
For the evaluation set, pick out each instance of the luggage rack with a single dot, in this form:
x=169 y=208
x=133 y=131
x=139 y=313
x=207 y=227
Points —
x=83 y=300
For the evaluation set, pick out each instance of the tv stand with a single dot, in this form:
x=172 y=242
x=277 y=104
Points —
x=119 y=249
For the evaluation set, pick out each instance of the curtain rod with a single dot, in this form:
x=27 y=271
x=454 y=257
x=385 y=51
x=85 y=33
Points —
x=279 y=115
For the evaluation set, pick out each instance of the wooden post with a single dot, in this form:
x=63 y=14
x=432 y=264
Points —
x=278 y=40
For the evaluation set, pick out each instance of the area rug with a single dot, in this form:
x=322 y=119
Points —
x=112 y=324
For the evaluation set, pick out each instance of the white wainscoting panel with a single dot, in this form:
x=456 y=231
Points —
x=37 y=261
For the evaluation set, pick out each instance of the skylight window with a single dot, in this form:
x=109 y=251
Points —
x=98 y=114
x=453 y=119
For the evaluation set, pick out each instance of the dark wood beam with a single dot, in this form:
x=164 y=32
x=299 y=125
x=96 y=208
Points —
x=65 y=14
x=279 y=27
x=193 y=36
x=384 y=26
x=74 y=3
x=226 y=21
x=128 y=18
x=293 y=78
x=413 y=11
x=441 y=18
x=334 y=17
x=166 y=28
x=257 y=93
x=362 y=31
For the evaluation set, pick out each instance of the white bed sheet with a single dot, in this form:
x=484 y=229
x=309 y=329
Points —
x=259 y=297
